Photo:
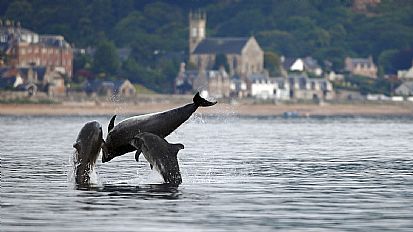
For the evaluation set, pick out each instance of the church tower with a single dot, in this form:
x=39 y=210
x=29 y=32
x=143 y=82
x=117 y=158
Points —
x=197 y=23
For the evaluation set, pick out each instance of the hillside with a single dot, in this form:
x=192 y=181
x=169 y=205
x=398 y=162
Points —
x=157 y=31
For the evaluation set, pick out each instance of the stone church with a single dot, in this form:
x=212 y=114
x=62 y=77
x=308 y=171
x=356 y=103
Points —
x=244 y=57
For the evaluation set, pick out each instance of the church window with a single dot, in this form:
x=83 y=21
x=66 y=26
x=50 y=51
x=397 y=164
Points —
x=194 y=32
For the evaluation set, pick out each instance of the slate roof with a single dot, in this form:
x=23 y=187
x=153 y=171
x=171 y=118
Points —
x=407 y=84
x=288 y=62
x=221 y=45
x=7 y=82
x=361 y=61
x=40 y=70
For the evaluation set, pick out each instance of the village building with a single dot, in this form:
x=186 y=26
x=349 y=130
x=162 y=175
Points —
x=215 y=82
x=243 y=54
x=302 y=87
x=24 y=48
x=406 y=74
x=243 y=57
x=261 y=86
x=32 y=79
x=405 y=89
x=307 y=64
x=109 y=88
x=361 y=66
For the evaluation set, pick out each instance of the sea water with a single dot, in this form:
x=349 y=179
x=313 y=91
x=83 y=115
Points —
x=239 y=174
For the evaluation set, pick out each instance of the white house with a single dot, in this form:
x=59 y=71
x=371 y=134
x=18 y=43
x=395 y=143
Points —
x=260 y=86
x=406 y=74
x=307 y=64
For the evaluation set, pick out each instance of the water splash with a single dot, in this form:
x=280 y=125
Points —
x=71 y=172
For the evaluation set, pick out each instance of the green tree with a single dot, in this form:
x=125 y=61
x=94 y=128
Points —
x=272 y=63
x=20 y=11
x=106 y=59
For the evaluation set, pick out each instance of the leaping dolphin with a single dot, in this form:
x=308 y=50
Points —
x=161 y=155
x=87 y=145
x=118 y=140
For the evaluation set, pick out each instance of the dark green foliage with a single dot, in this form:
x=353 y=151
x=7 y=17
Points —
x=328 y=30
x=373 y=86
x=106 y=59
x=272 y=63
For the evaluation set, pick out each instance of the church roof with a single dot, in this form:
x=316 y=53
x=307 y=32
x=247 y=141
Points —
x=221 y=45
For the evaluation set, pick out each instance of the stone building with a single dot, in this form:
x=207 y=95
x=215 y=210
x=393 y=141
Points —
x=25 y=48
x=361 y=66
x=215 y=82
x=243 y=54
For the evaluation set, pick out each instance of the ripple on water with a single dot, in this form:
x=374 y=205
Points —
x=239 y=174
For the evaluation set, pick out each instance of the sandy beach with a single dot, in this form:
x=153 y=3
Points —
x=109 y=108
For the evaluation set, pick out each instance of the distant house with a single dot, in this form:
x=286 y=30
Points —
x=33 y=78
x=215 y=82
x=361 y=66
x=238 y=87
x=302 y=87
x=332 y=76
x=261 y=86
x=9 y=83
x=243 y=54
x=405 y=89
x=25 y=48
x=109 y=88
x=406 y=74
x=307 y=64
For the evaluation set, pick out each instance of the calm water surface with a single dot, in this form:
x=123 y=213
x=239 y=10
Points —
x=239 y=174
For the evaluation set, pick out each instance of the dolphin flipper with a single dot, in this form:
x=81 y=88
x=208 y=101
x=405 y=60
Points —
x=111 y=123
x=138 y=152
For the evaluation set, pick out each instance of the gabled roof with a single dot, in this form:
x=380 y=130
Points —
x=288 y=62
x=311 y=63
x=221 y=45
x=407 y=84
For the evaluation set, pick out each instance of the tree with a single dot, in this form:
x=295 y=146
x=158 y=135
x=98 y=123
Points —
x=272 y=63
x=106 y=59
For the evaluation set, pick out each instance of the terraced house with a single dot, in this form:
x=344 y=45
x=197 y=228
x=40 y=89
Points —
x=21 y=47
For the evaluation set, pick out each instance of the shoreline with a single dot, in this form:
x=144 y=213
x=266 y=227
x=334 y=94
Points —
x=244 y=109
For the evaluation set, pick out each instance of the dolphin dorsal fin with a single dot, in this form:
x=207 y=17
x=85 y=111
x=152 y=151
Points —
x=111 y=123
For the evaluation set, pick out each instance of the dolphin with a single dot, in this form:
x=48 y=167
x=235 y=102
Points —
x=88 y=145
x=161 y=155
x=118 y=140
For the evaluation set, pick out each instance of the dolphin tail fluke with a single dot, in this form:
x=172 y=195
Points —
x=176 y=147
x=199 y=101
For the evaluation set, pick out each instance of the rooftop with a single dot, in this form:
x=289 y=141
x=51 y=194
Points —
x=221 y=45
